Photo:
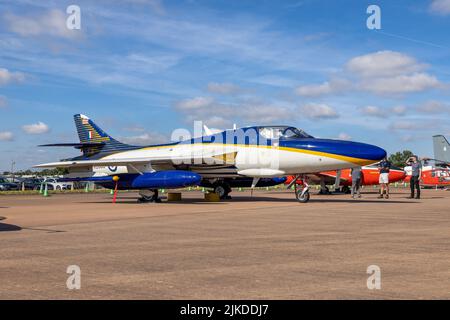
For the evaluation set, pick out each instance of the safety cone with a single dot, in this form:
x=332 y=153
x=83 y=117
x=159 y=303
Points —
x=203 y=190
x=46 y=191
x=41 y=188
x=240 y=189
x=86 y=189
x=112 y=191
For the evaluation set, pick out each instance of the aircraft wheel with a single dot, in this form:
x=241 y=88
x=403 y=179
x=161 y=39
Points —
x=222 y=190
x=302 y=198
x=147 y=197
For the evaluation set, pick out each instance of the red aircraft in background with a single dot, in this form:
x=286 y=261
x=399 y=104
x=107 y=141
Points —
x=370 y=176
x=432 y=176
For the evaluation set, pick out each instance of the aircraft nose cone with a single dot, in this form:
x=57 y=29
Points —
x=367 y=151
x=354 y=152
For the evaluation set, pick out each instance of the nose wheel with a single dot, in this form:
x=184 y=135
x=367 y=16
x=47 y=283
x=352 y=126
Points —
x=301 y=188
x=302 y=195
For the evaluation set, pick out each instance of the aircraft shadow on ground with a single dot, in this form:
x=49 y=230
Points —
x=8 y=227
x=4 y=227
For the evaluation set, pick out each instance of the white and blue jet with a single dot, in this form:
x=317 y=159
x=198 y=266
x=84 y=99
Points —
x=257 y=154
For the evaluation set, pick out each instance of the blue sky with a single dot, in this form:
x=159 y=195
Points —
x=142 y=68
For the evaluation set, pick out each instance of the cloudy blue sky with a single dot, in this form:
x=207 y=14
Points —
x=142 y=68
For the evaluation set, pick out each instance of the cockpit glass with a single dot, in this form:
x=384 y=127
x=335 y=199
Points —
x=282 y=132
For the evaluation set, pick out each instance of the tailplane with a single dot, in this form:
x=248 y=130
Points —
x=93 y=139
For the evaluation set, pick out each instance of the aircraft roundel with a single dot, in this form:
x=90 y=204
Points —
x=112 y=169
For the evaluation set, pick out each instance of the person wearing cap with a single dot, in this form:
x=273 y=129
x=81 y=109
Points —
x=384 y=167
x=416 y=173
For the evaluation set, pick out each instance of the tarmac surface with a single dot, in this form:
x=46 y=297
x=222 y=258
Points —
x=267 y=246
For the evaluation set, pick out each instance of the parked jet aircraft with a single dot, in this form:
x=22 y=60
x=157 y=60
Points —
x=256 y=152
x=343 y=178
x=441 y=149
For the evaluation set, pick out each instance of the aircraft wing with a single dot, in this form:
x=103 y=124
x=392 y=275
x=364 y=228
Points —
x=221 y=159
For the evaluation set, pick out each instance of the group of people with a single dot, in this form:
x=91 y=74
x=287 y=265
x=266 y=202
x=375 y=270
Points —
x=384 y=168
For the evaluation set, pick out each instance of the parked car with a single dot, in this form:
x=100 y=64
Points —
x=31 y=183
x=5 y=185
x=53 y=184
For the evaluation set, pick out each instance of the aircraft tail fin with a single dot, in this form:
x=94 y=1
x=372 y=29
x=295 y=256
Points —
x=94 y=138
x=441 y=148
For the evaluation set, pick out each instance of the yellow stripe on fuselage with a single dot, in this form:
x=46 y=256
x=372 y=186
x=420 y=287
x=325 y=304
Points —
x=358 y=161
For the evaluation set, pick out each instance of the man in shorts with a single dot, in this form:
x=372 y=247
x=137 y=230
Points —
x=384 y=167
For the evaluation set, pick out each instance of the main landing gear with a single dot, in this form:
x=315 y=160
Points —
x=222 y=189
x=149 y=196
x=301 y=189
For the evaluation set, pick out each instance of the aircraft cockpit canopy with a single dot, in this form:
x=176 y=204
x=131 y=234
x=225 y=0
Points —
x=277 y=132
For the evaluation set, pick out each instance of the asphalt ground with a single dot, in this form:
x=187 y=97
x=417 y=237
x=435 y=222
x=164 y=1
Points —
x=267 y=246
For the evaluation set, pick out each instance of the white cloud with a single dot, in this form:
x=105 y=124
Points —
x=328 y=87
x=263 y=113
x=381 y=73
x=218 y=114
x=6 y=136
x=399 y=110
x=401 y=84
x=344 y=136
x=51 y=22
x=406 y=125
x=373 y=111
x=145 y=139
x=383 y=64
x=36 y=128
x=223 y=88
x=433 y=107
x=7 y=76
x=390 y=72
x=3 y=102
x=441 y=7
x=318 y=111
x=195 y=103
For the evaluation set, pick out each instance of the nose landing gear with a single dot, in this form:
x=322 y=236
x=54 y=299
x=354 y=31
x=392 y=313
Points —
x=302 y=195
x=301 y=188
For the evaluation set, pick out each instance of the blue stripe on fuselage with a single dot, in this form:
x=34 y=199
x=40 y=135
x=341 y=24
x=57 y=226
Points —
x=337 y=147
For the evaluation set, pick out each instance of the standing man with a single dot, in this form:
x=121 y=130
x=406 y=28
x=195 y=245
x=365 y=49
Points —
x=356 y=182
x=416 y=173
x=384 y=167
